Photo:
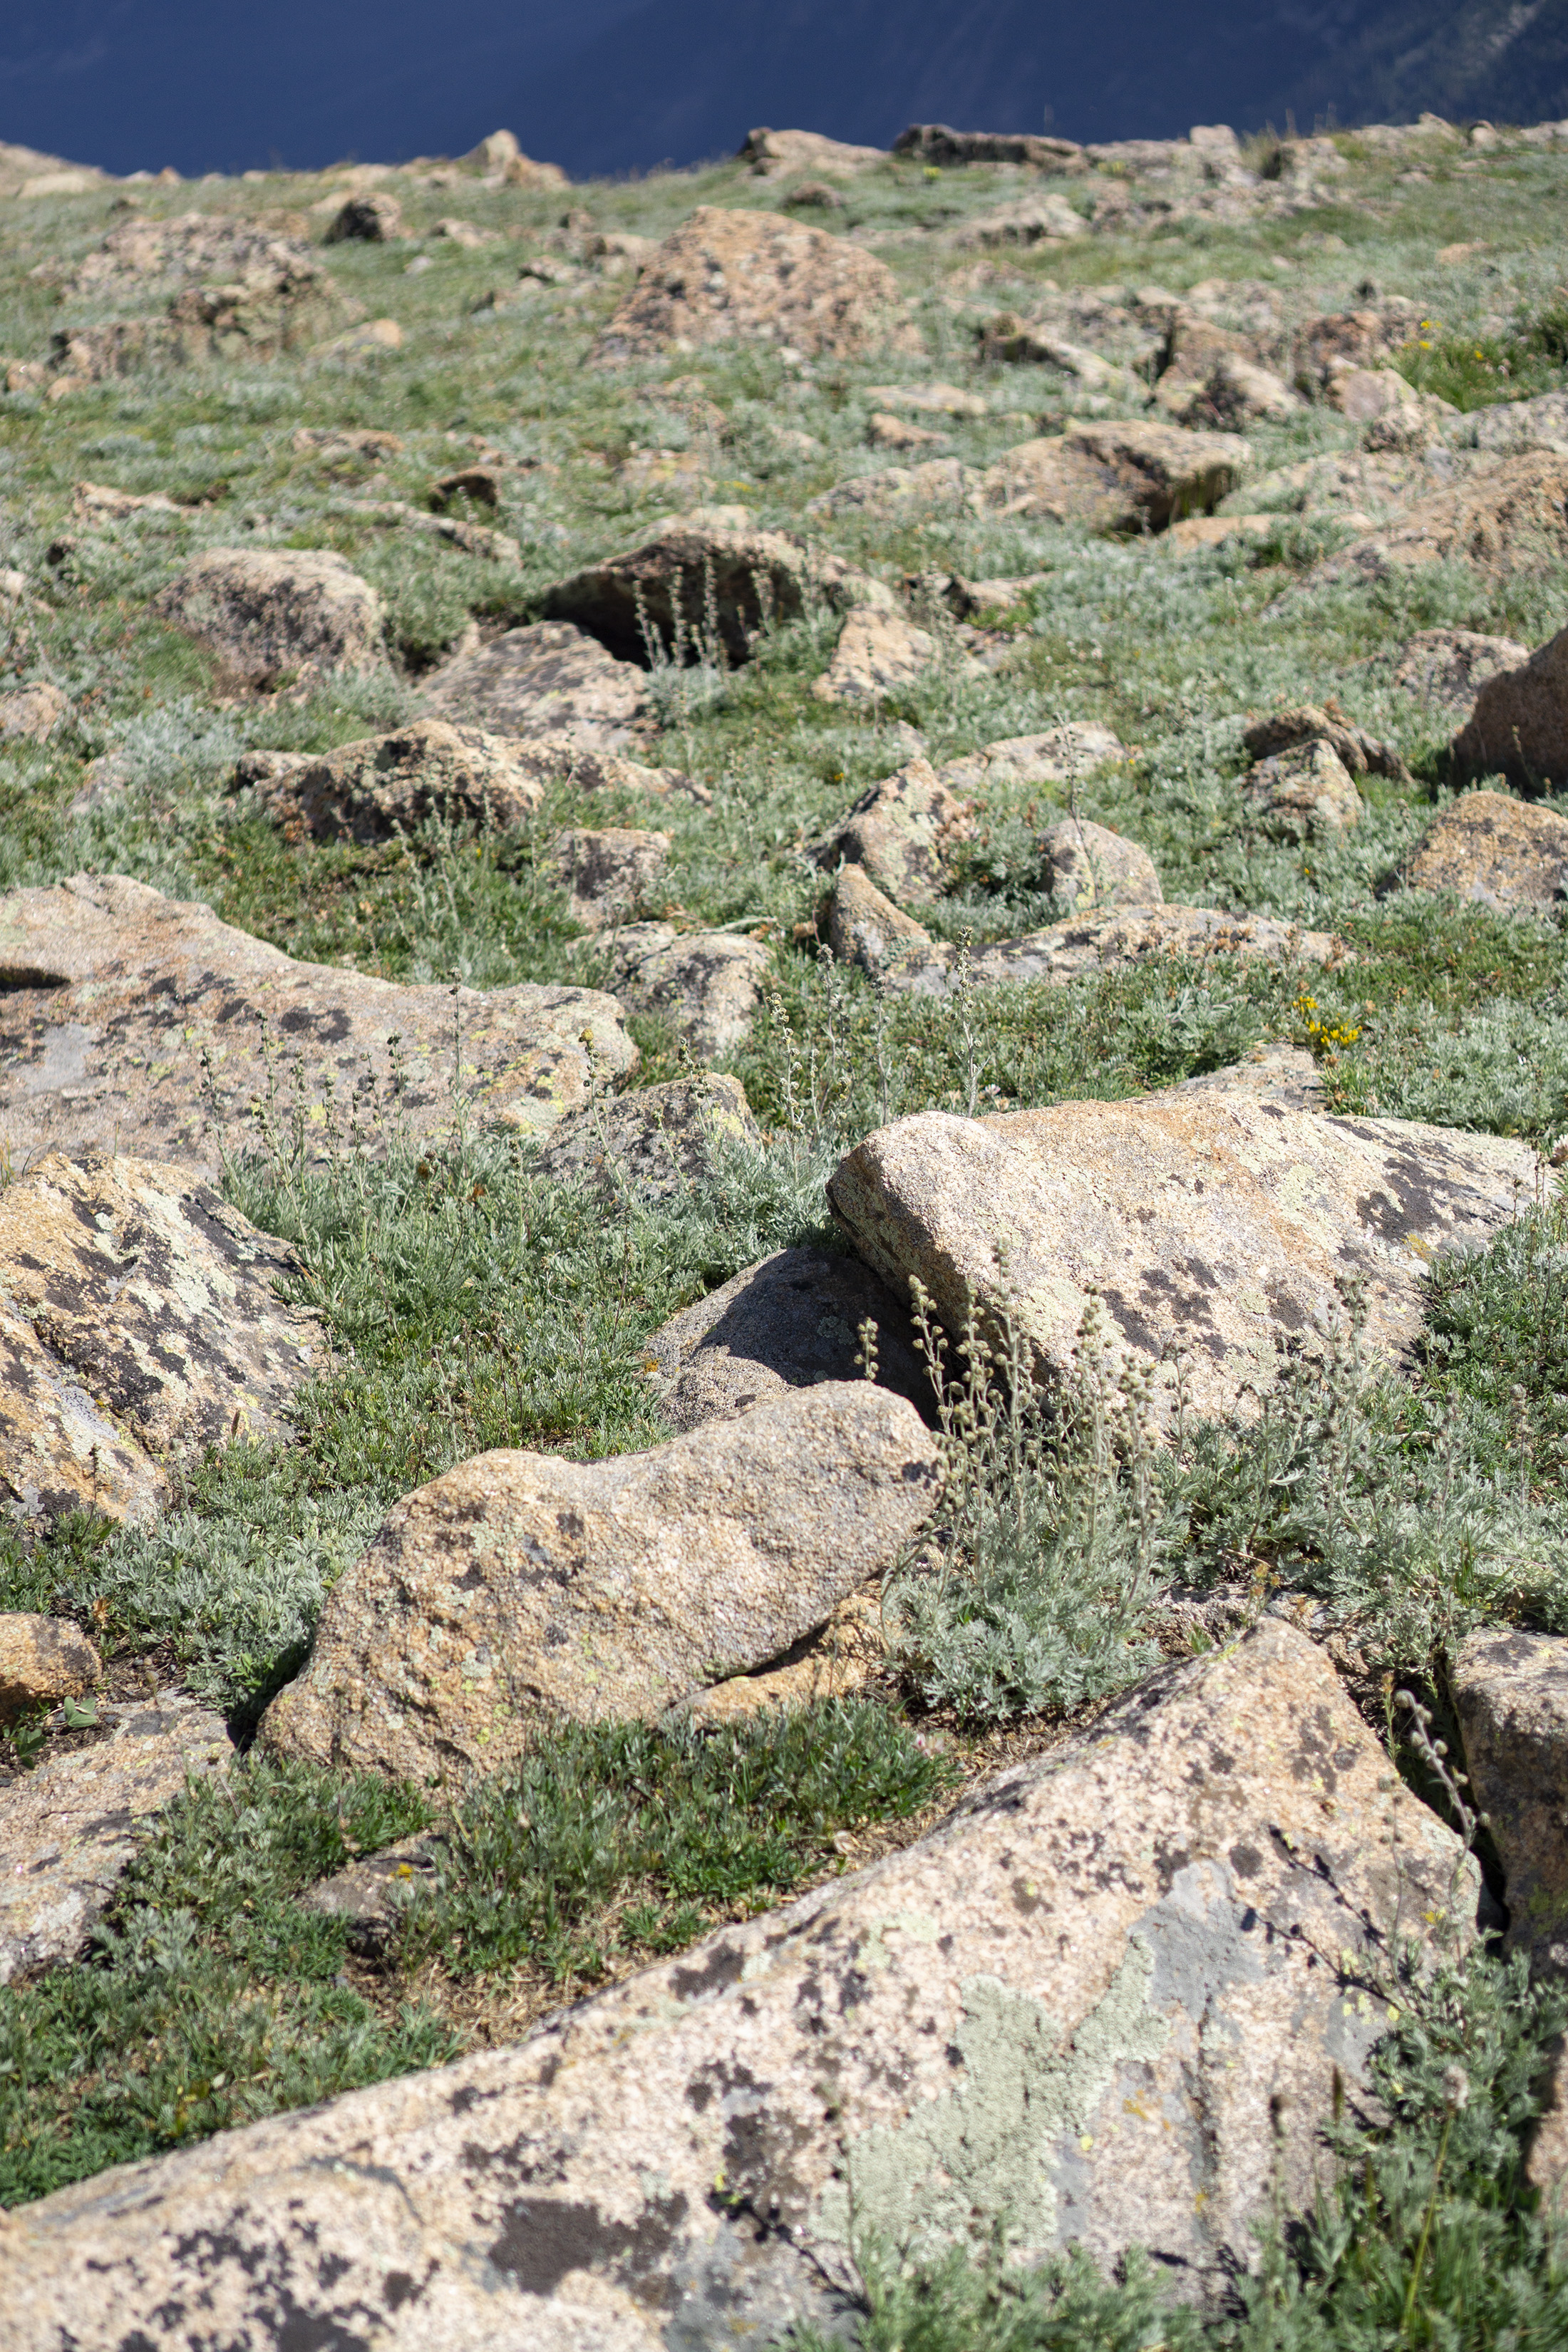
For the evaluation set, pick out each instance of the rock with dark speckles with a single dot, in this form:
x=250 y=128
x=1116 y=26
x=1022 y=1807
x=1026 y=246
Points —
x=1110 y=2000
x=1214 y=1224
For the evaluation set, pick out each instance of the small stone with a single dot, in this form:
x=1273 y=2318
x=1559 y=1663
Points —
x=876 y=656
x=520 y=1589
x=865 y=928
x=270 y=612
x=42 y=1661
x=1090 y=866
x=929 y=399
x=813 y=196
x=371 y=789
x=31 y=713
x=465 y=234
x=1518 y=727
x=1213 y=530
x=1495 y=852
x=549 y=678
x=607 y=875
x=655 y=1143
x=371 y=1895
x=367 y=220
x=1448 y=668
x=902 y=832
x=790 y=1322
x=705 y=984
x=69 y=1829
x=1304 y=792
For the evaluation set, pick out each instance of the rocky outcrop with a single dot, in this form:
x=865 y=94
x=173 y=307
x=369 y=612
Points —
x=1215 y=1226
x=790 y=1322
x=549 y=678
x=68 y=1829
x=384 y=785
x=132 y=1020
x=1518 y=728
x=140 y=1323
x=1498 y=852
x=42 y=1661
x=704 y=983
x=520 y=1589
x=1116 y=477
x=270 y=614
x=655 y=1144
x=933 y=143
x=753 y=278
x=772 y=152
x=1130 y=2036
x=1448 y=668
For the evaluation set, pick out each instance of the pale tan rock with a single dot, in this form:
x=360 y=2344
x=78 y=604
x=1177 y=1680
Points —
x=1514 y=426
x=1129 y=476
x=1236 y=392
x=1510 y=1695
x=1364 y=394
x=1060 y=756
x=790 y=1322
x=1518 y=728
x=1448 y=668
x=1499 y=852
x=1102 y=941
x=742 y=277
x=383 y=784
x=1211 y=1223
x=1512 y=518
x=653 y=1144
x=520 y=1589
x=31 y=713
x=42 y=1661
x=886 y=431
x=363 y=342
x=772 y=153
x=549 y=678
x=865 y=928
x=1092 y=867
x=876 y=654
x=1305 y=724
x=140 y=1323
x=334 y=442
x=706 y=983
x=1045 y=219
x=465 y=234
x=97 y=502
x=68 y=1829
x=983 y=600
x=938 y=485
x=1112 y=1999
x=929 y=399
x=528 y=172
x=607 y=873
x=1304 y=792
x=1213 y=531
x=271 y=612
x=902 y=832
x=711 y=570
x=839 y=1659
x=133 y=1021
x=564 y=758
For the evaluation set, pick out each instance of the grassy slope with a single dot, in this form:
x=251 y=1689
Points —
x=1411 y=1512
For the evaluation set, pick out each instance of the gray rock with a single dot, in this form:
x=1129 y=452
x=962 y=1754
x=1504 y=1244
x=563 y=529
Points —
x=1303 y=793
x=1518 y=728
x=520 y=1588
x=1496 y=851
x=1214 y=1225
x=1117 y=477
x=866 y=928
x=31 y=713
x=371 y=1893
x=1111 y=2001
x=140 y=1325
x=1060 y=756
x=654 y=1143
x=272 y=612
x=877 y=654
x=547 y=679
x=1098 y=941
x=68 y=1829
x=902 y=832
x=1090 y=866
x=368 y=791
x=706 y=983
x=1510 y=1693
x=1305 y=724
x=1448 y=666
x=607 y=874
x=790 y=1322
x=42 y=1661
x=132 y=1020
x=1513 y=426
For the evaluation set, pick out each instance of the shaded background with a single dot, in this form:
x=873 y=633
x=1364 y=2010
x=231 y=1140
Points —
x=609 y=86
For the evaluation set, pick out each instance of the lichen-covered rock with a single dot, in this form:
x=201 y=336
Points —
x=655 y=1143
x=1112 y=2001
x=68 y=1829
x=938 y=485
x=865 y=928
x=520 y=1588
x=31 y=713
x=1510 y=1693
x=1510 y=518
x=1060 y=756
x=1512 y=427
x=140 y=1324
x=728 y=276
x=549 y=678
x=1215 y=1225
x=1448 y=668
x=902 y=832
x=566 y=759
x=1518 y=728
x=1499 y=852
x=790 y=1322
x=42 y=1661
x=1305 y=724
x=1092 y=867
x=132 y=1020
x=705 y=984
x=1102 y=939
x=876 y=654
x=367 y=791
x=1131 y=476
x=607 y=873
x=272 y=612
x=1303 y=793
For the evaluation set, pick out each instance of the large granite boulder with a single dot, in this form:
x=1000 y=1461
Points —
x=1518 y=728
x=382 y=784
x=520 y=1588
x=1215 y=1226
x=1499 y=852
x=132 y=1020
x=1112 y=2001
x=268 y=613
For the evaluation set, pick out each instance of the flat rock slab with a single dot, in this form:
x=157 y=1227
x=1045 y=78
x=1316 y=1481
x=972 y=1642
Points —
x=1518 y=728
x=1510 y=1693
x=370 y=790
x=550 y=678
x=140 y=1324
x=790 y=1322
x=654 y=1144
x=705 y=984
x=129 y=1019
x=1109 y=2001
x=520 y=1588
x=1499 y=852
x=269 y=613
x=1102 y=939
x=68 y=1829
x=1213 y=1224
